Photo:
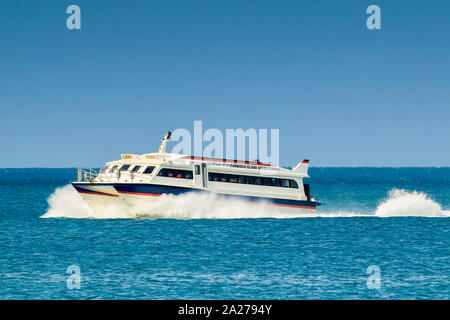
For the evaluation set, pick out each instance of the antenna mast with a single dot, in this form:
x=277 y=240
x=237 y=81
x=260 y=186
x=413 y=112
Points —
x=162 y=147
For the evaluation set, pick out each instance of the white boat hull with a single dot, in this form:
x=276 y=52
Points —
x=143 y=198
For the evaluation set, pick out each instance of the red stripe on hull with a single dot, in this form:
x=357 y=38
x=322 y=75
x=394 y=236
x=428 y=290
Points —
x=282 y=205
x=98 y=193
x=141 y=193
x=291 y=205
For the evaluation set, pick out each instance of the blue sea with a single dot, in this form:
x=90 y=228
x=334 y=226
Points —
x=380 y=233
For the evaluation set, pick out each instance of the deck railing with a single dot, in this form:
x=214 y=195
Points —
x=87 y=175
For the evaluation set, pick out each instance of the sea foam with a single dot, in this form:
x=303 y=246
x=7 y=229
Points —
x=402 y=203
x=65 y=202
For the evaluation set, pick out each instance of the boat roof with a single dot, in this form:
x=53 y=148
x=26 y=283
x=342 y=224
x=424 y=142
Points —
x=234 y=166
x=173 y=159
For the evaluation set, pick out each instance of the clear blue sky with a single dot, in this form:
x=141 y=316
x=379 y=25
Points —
x=341 y=95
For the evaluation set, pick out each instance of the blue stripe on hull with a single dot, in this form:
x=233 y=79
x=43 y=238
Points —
x=157 y=190
x=94 y=192
x=153 y=189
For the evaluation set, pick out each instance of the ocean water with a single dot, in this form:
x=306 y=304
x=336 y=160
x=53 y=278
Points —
x=381 y=233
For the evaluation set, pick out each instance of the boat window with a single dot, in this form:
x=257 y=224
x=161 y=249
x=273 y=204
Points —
x=175 y=173
x=125 y=167
x=113 y=168
x=262 y=181
x=149 y=170
x=212 y=176
x=285 y=183
x=135 y=168
x=249 y=180
x=276 y=182
x=197 y=169
x=267 y=181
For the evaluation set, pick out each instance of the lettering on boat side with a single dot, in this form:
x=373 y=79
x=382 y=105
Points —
x=243 y=166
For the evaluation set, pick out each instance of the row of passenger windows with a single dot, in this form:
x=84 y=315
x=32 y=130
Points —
x=126 y=167
x=175 y=173
x=212 y=176
x=165 y=172
x=271 y=182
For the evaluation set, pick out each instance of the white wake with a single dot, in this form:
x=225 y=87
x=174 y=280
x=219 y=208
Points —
x=402 y=203
x=65 y=202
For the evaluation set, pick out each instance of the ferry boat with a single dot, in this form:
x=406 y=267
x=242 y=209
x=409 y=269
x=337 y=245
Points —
x=142 y=178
